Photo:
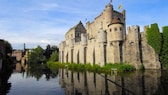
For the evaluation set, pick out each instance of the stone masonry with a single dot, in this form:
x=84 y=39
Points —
x=105 y=41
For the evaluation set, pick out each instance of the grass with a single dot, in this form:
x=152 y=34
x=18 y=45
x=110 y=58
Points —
x=122 y=67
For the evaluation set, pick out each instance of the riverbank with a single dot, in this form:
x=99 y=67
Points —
x=91 y=68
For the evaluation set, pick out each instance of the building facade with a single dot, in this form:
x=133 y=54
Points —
x=20 y=57
x=105 y=41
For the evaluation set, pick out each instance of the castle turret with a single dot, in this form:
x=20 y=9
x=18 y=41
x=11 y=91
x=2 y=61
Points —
x=133 y=47
x=115 y=30
x=134 y=33
x=108 y=13
x=115 y=37
x=102 y=40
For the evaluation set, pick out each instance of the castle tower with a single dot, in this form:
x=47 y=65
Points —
x=102 y=40
x=133 y=47
x=115 y=30
x=115 y=37
x=108 y=14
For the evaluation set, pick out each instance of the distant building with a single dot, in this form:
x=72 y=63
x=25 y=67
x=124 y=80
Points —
x=105 y=41
x=20 y=57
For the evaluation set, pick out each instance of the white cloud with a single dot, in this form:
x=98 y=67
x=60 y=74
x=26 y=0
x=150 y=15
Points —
x=35 y=33
x=41 y=7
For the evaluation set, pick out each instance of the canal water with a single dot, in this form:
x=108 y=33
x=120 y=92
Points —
x=65 y=82
x=23 y=85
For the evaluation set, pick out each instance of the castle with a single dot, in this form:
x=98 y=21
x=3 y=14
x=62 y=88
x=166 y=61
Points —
x=105 y=41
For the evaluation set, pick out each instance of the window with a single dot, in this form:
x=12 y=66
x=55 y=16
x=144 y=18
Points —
x=77 y=34
x=110 y=30
x=120 y=28
x=111 y=44
x=115 y=29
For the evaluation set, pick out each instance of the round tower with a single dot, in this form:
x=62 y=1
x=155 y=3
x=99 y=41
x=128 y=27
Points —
x=116 y=30
x=108 y=13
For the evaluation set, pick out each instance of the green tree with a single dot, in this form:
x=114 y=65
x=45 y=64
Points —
x=7 y=65
x=36 y=55
x=164 y=52
x=55 y=48
x=8 y=47
x=48 y=52
x=154 y=37
x=54 y=56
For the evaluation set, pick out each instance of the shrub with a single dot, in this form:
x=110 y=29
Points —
x=52 y=65
x=92 y=68
x=96 y=68
x=88 y=67
x=126 y=68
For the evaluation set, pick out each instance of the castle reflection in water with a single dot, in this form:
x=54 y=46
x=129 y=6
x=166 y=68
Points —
x=86 y=83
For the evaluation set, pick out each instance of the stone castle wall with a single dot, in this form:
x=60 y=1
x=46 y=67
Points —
x=105 y=41
x=137 y=51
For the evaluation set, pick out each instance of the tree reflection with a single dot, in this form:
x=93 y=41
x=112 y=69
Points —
x=163 y=87
x=37 y=63
x=38 y=70
x=4 y=84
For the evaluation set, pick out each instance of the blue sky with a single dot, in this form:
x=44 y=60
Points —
x=42 y=22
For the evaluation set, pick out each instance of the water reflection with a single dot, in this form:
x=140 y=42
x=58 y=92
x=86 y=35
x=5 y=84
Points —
x=35 y=70
x=5 y=86
x=150 y=82
x=163 y=87
x=138 y=83
x=23 y=79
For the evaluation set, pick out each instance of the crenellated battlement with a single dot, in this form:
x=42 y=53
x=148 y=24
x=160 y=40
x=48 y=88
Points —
x=133 y=32
x=134 y=28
